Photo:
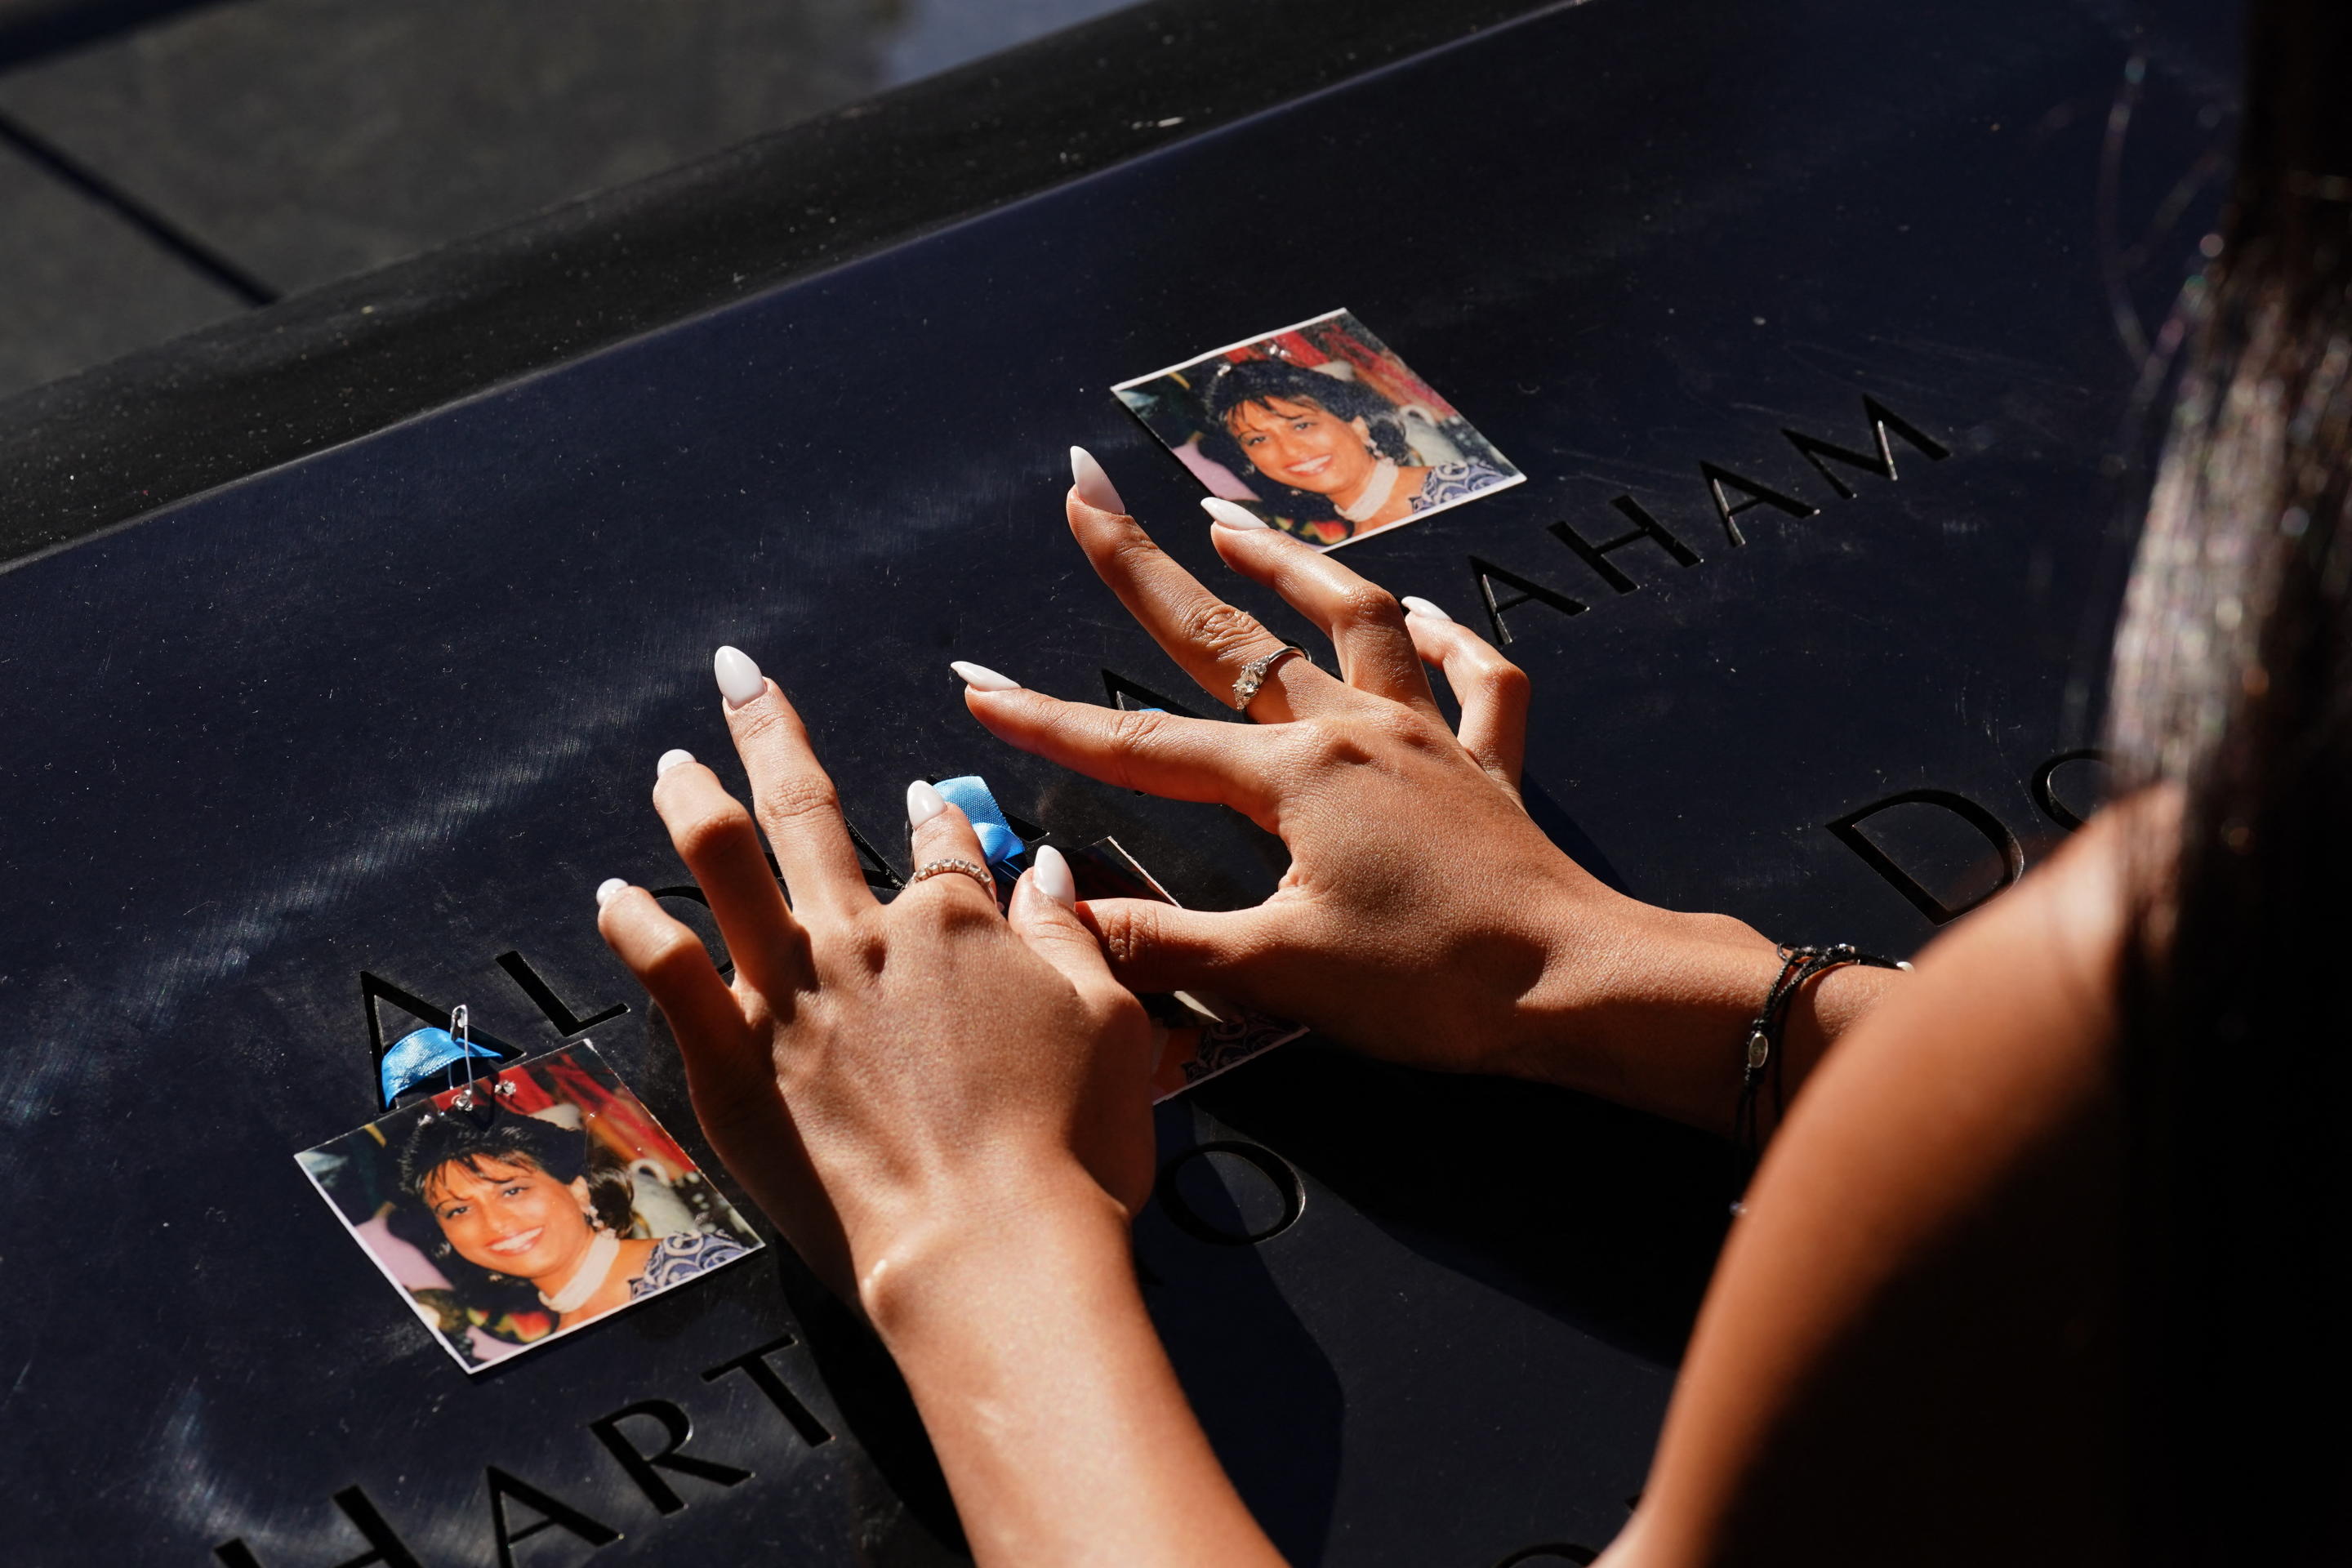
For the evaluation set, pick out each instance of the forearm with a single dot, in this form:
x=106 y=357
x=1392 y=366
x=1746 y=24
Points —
x=1061 y=1426
x=1656 y=1016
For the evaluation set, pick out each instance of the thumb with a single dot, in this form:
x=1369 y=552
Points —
x=1153 y=946
x=1041 y=914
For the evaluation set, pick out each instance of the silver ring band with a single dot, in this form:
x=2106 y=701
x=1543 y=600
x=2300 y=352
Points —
x=1254 y=673
x=977 y=872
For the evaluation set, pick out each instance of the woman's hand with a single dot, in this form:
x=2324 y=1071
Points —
x=949 y=1113
x=1424 y=918
x=884 y=1081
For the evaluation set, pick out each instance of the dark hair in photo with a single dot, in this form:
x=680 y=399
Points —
x=2233 y=686
x=508 y=1138
x=1263 y=381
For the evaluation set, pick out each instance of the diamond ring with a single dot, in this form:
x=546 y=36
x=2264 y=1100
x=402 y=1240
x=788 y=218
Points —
x=976 y=871
x=1254 y=673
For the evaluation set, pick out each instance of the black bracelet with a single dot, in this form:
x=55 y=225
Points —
x=1798 y=965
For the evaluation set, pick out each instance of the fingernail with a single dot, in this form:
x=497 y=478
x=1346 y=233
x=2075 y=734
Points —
x=1053 y=879
x=672 y=759
x=1231 y=514
x=923 y=803
x=1215 y=1006
x=608 y=890
x=1423 y=607
x=739 y=677
x=1094 y=488
x=980 y=678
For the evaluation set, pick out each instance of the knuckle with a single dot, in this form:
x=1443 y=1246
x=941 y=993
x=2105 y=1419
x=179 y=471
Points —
x=1431 y=737
x=1362 y=604
x=1133 y=733
x=1328 y=746
x=1217 y=627
x=799 y=797
x=1133 y=729
x=1129 y=551
x=1503 y=678
x=715 y=830
x=758 y=723
x=1130 y=937
x=672 y=953
x=1404 y=727
x=859 y=947
x=959 y=915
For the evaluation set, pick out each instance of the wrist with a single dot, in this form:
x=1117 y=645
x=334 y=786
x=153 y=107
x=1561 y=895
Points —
x=1059 y=1423
x=1652 y=1009
x=1614 y=973
x=921 y=1275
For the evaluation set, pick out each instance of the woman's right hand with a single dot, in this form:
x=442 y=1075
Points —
x=1424 y=918
x=948 y=1112
x=888 y=1081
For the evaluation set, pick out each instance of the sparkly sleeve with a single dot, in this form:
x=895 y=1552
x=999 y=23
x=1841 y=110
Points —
x=1451 y=482
x=677 y=1259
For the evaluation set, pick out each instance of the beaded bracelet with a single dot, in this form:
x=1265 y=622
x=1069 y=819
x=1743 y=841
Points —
x=1798 y=965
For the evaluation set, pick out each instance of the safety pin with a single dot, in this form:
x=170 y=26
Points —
x=460 y=1030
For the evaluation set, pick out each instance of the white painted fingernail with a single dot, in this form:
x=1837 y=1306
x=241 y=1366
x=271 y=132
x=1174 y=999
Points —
x=1094 y=488
x=980 y=678
x=672 y=759
x=1053 y=879
x=608 y=890
x=1231 y=514
x=739 y=677
x=1423 y=607
x=923 y=803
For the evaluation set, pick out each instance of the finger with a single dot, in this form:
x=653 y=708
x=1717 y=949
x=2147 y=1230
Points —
x=670 y=961
x=1043 y=911
x=1362 y=619
x=1152 y=946
x=939 y=832
x=1493 y=691
x=1209 y=638
x=715 y=837
x=791 y=793
x=729 y=1074
x=1164 y=754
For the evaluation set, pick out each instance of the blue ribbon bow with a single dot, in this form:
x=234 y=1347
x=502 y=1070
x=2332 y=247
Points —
x=416 y=1057
x=998 y=842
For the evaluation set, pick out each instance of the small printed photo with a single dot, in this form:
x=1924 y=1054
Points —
x=1197 y=1038
x=511 y=1211
x=1320 y=430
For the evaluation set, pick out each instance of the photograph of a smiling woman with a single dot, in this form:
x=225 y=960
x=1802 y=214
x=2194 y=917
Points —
x=549 y=1200
x=1319 y=429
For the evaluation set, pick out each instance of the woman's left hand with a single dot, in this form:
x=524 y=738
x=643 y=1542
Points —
x=884 y=1080
x=1425 y=917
